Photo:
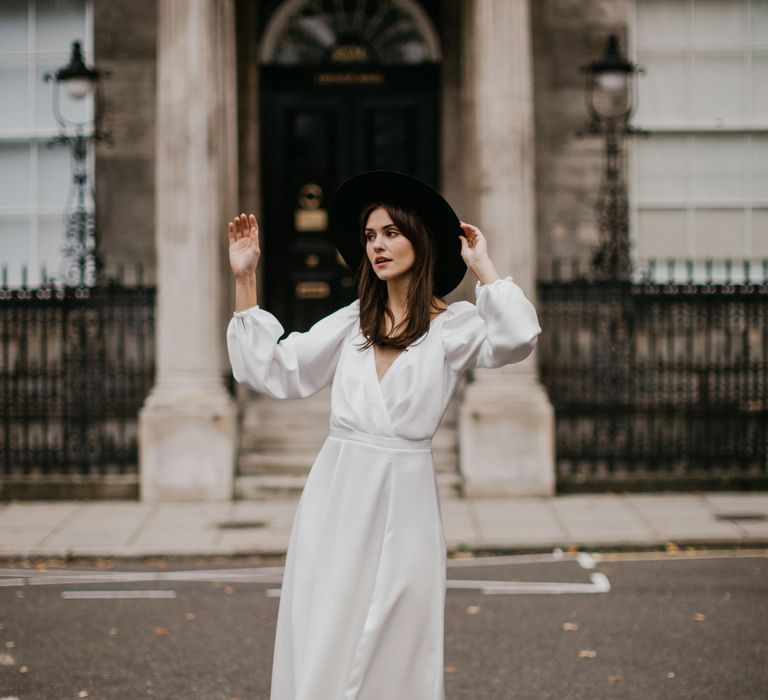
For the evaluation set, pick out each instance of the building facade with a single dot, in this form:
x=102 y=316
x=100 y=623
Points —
x=221 y=106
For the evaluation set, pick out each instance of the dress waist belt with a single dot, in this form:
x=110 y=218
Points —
x=394 y=443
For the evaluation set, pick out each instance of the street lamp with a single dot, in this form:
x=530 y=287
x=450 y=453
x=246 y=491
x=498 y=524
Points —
x=611 y=99
x=80 y=248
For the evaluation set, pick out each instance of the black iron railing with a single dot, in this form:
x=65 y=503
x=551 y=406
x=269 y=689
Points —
x=76 y=364
x=657 y=384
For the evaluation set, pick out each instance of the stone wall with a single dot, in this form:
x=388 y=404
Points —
x=566 y=35
x=125 y=44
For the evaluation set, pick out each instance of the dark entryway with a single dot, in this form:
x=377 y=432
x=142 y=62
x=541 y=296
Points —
x=343 y=89
x=313 y=137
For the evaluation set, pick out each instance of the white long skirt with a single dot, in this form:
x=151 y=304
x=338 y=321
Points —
x=363 y=596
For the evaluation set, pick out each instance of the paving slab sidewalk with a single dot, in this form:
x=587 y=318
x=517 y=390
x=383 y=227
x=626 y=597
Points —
x=584 y=521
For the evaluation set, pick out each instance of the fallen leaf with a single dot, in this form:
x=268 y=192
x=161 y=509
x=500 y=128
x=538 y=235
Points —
x=727 y=595
x=83 y=694
x=450 y=669
x=113 y=631
x=699 y=617
x=570 y=626
x=190 y=615
x=9 y=645
x=162 y=632
x=7 y=660
x=587 y=654
x=614 y=678
x=19 y=594
x=473 y=610
x=229 y=590
x=24 y=669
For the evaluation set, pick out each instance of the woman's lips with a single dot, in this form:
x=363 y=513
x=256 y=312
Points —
x=383 y=262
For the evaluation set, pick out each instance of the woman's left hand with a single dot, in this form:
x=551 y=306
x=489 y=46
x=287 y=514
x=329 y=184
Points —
x=475 y=253
x=473 y=247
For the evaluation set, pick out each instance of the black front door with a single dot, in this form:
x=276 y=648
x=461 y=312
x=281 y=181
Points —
x=315 y=134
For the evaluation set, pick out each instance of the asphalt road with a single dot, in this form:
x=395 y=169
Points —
x=643 y=626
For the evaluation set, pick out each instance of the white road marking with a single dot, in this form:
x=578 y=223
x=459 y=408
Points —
x=117 y=594
x=58 y=578
x=10 y=577
x=509 y=559
x=599 y=584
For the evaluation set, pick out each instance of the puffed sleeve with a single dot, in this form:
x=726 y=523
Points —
x=501 y=329
x=295 y=367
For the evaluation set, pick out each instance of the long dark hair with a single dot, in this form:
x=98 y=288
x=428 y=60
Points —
x=373 y=291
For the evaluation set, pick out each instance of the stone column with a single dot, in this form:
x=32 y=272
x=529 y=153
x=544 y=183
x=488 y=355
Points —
x=187 y=427
x=506 y=420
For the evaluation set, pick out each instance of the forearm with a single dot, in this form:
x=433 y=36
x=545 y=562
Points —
x=485 y=271
x=245 y=292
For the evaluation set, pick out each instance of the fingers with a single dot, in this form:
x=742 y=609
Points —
x=241 y=226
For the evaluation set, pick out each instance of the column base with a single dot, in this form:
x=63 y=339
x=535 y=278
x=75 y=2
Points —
x=187 y=446
x=507 y=437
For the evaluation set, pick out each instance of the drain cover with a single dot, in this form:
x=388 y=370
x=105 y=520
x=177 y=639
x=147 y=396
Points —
x=242 y=524
x=741 y=516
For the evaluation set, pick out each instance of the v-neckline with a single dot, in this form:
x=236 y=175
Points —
x=372 y=348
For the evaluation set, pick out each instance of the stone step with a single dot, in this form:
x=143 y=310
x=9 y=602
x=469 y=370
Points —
x=299 y=462
x=265 y=487
x=311 y=437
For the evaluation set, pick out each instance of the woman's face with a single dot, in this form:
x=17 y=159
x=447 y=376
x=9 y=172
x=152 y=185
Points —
x=384 y=240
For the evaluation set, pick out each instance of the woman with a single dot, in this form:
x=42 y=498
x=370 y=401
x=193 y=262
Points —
x=362 y=602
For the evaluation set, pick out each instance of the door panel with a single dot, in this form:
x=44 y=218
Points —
x=311 y=142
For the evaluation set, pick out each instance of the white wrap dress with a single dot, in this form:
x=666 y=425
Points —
x=362 y=601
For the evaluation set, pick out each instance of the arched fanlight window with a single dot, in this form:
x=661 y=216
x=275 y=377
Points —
x=364 y=32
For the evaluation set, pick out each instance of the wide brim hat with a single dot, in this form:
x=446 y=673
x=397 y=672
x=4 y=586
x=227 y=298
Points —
x=355 y=194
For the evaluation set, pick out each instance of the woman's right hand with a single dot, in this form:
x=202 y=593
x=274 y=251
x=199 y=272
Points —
x=244 y=249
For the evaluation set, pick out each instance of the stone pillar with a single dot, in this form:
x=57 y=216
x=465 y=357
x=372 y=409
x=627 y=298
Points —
x=187 y=427
x=506 y=424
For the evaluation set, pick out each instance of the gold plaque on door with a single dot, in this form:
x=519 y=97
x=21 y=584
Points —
x=310 y=216
x=310 y=219
x=312 y=290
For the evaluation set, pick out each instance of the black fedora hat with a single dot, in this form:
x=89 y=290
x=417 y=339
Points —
x=389 y=186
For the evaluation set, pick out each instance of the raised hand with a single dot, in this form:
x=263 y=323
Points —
x=473 y=246
x=474 y=251
x=244 y=248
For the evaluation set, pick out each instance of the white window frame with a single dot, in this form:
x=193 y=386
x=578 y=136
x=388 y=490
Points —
x=37 y=138
x=680 y=272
